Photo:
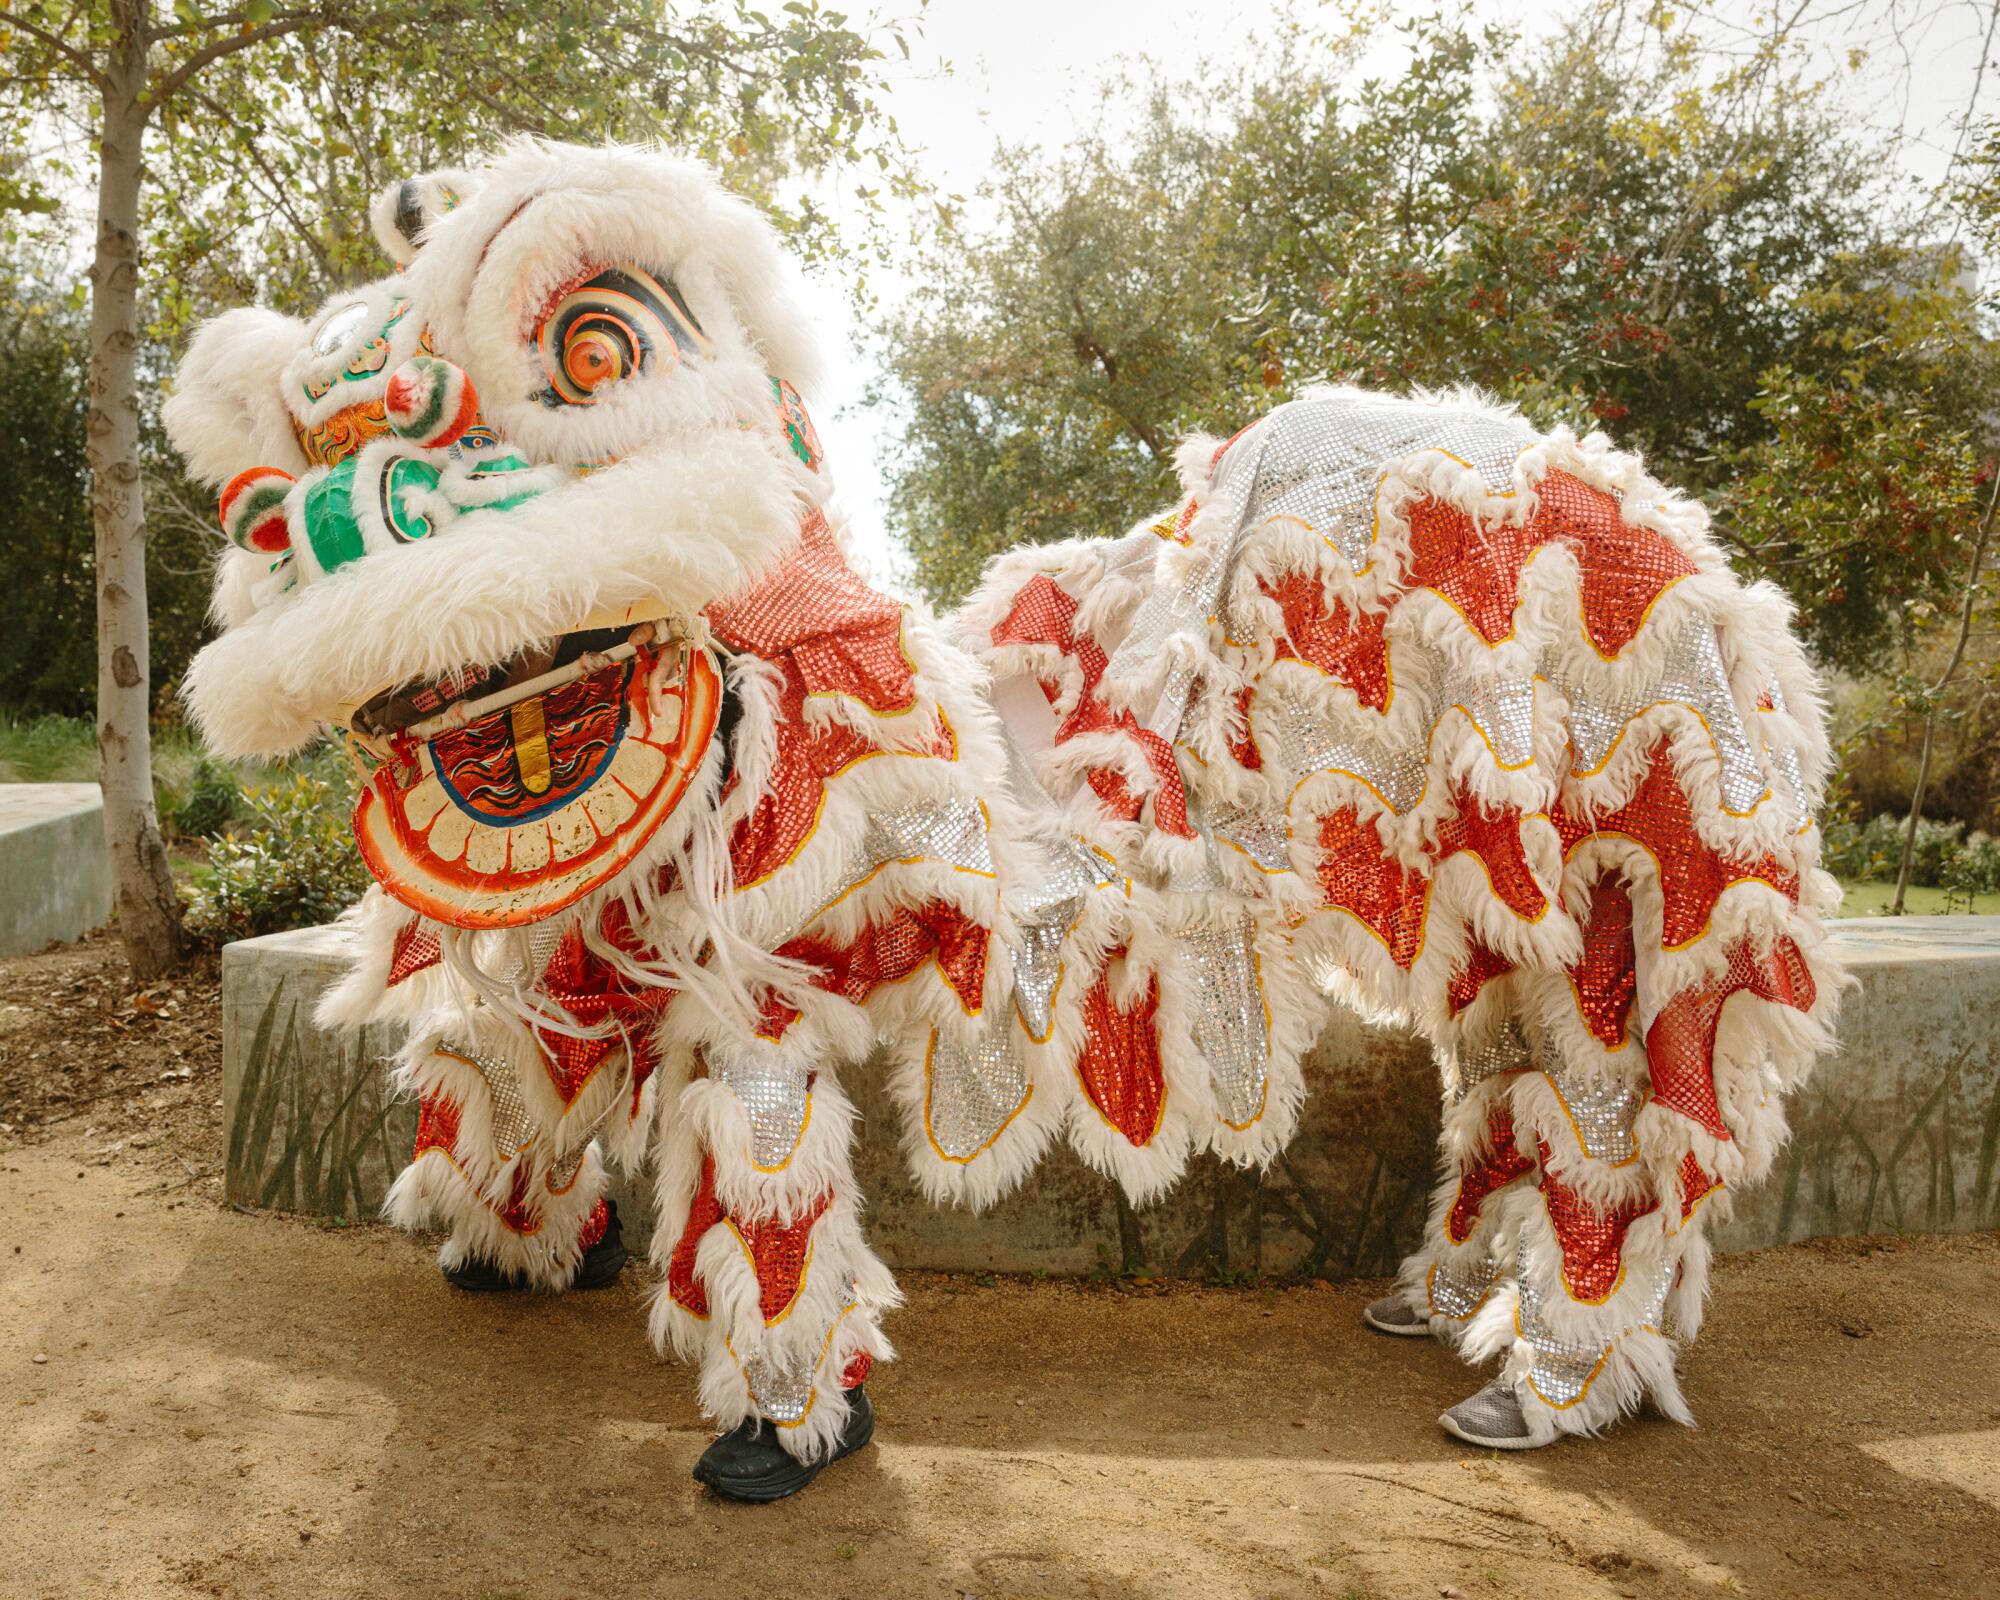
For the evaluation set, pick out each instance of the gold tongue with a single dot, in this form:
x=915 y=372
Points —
x=531 y=745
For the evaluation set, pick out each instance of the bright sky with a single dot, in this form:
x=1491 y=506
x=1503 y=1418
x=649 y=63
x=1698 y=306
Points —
x=1027 y=71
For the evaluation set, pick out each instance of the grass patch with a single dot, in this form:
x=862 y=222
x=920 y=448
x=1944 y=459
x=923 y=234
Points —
x=1873 y=900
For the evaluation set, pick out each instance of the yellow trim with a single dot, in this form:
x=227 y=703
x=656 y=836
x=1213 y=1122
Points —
x=1563 y=1277
x=909 y=661
x=1430 y=1296
x=819 y=811
x=1430 y=739
x=1702 y=932
x=929 y=1050
x=1701 y=1200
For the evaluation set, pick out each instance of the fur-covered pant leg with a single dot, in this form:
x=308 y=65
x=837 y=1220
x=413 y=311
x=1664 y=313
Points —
x=507 y=1184
x=1554 y=1241
x=767 y=1284
x=1585 y=1157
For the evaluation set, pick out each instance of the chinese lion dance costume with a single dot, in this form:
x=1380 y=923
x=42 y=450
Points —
x=674 y=817
x=1480 y=718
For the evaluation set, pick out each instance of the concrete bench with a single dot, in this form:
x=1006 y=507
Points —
x=55 y=873
x=1897 y=1132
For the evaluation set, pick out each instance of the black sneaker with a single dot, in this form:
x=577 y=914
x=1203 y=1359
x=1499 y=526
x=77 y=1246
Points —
x=600 y=1265
x=750 y=1465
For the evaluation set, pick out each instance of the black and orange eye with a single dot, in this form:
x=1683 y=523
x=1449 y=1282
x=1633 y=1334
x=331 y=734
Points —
x=614 y=324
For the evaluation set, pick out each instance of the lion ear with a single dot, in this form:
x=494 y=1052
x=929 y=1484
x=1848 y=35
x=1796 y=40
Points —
x=403 y=212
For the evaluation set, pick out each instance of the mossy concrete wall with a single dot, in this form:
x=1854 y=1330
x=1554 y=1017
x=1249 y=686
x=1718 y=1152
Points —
x=1896 y=1132
x=55 y=873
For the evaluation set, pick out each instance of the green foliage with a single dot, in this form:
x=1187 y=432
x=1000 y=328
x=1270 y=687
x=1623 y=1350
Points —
x=291 y=863
x=48 y=564
x=1615 y=232
x=1857 y=503
x=1945 y=857
x=214 y=799
x=271 y=137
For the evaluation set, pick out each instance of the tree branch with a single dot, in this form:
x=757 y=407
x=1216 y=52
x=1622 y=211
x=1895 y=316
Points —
x=63 y=48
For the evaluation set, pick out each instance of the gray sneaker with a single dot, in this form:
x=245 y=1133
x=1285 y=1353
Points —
x=1392 y=1314
x=1492 y=1419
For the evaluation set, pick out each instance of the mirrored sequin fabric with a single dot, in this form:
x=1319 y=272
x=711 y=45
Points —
x=1300 y=740
x=974 y=1088
x=513 y=1128
x=1503 y=709
x=775 y=1098
x=782 y=1392
x=1231 y=1025
x=952 y=831
x=1260 y=835
x=1602 y=1114
x=1564 y=1369
x=1320 y=462
x=1506 y=1051
x=1460 y=1287
x=1693 y=676
x=1049 y=909
x=1317 y=462
x=1788 y=772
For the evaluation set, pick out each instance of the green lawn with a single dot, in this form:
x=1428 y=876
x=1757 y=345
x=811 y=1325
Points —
x=1872 y=900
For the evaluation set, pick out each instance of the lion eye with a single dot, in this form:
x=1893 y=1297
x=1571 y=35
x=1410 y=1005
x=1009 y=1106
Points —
x=611 y=324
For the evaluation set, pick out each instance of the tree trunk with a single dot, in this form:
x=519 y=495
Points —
x=149 y=918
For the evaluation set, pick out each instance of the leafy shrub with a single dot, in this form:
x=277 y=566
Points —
x=1945 y=857
x=290 y=863
x=214 y=799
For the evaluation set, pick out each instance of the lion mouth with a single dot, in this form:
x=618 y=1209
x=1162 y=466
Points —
x=500 y=795
x=463 y=695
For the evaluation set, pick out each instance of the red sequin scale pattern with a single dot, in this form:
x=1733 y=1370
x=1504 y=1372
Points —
x=1119 y=1063
x=1044 y=614
x=1358 y=875
x=779 y=1255
x=1691 y=877
x=438 y=1119
x=1592 y=1237
x=828 y=635
x=1498 y=1163
x=1477 y=566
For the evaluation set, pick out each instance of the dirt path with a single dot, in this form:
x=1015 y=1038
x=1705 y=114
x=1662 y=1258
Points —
x=246 y=1407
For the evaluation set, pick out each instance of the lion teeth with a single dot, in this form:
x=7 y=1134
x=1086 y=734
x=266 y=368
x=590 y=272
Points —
x=531 y=847
x=448 y=835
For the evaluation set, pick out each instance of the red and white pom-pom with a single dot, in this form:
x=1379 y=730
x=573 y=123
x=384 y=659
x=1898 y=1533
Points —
x=253 y=510
x=430 y=402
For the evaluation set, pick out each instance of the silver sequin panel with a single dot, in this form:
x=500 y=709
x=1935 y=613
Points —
x=1692 y=675
x=1603 y=1113
x=952 y=831
x=1564 y=1369
x=1459 y=1289
x=782 y=1391
x=512 y=1126
x=1319 y=461
x=775 y=1098
x=974 y=1088
x=1049 y=906
x=1231 y=1029
x=1507 y=1051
